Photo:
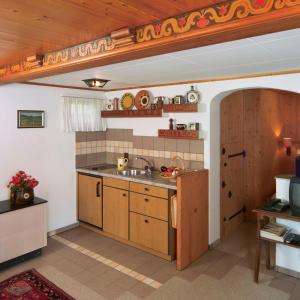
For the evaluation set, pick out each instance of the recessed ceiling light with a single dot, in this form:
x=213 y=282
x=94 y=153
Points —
x=95 y=82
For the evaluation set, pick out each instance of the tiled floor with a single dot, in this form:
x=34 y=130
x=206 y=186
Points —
x=89 y=266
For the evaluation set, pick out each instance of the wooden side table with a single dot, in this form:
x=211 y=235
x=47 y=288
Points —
x=263 y=217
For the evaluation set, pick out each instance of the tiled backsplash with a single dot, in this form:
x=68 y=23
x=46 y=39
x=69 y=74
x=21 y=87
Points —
x=105 y=147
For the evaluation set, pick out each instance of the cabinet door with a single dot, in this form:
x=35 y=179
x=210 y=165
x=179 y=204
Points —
x=90 y=200
x=149 y=232
x=115 y=212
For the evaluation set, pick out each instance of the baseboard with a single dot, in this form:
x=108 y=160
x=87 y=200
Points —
x=62 y=229
x=214 y=244
x=287 y=271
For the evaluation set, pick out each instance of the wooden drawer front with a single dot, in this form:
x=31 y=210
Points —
x=150 y=206
x=149 y=232
x=117 y=183
x=149 y=190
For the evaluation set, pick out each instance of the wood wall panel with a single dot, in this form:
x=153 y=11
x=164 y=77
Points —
x=267 y=117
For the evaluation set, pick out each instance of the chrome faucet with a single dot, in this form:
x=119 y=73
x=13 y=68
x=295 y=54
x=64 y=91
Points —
x=149 y=166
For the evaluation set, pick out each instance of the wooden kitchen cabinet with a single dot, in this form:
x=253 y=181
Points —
x=149 y=232
x=115 y=211
x=90 y=199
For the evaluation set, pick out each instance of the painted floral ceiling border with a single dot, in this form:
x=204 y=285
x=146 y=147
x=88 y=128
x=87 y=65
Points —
x=196 y=20
x=217 y=14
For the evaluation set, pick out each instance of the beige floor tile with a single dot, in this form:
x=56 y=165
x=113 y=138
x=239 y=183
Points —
x=112 y=291
x=84 y=276
x=284 y=283
x=221 y=267
x=126 y=282
x=141 y=290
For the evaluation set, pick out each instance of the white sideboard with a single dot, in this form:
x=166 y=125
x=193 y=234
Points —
x=22 y=230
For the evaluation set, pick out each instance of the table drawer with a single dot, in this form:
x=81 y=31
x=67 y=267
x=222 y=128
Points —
x=149 y=232
x=149 y=206
x=117 y=183
x=149 y=190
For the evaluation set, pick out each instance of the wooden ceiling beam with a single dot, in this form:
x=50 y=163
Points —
x=219 y=23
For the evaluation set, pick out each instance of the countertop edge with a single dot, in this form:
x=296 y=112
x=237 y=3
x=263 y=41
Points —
x=6 y=207
x=132 y=179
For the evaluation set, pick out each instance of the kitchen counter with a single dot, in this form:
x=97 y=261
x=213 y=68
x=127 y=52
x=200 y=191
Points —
x=153 y=179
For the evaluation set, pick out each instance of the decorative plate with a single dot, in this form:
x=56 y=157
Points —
x=127 y=101
x=143 y=100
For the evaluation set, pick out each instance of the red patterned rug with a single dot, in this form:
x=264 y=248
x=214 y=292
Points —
x=31 y=285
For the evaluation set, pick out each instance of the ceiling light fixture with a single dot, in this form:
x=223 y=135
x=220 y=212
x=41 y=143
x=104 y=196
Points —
x=95 y=82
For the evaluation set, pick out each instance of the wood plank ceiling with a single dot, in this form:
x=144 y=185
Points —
x=28 y=27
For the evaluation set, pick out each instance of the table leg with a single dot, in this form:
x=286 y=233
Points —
x=257 y=260
x=268 y=249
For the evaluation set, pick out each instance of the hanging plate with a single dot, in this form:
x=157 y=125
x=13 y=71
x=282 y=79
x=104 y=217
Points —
x=127 y=101
x=143 y=100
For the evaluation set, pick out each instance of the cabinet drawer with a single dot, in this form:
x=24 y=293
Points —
x=150 y=206
x=149 y=232
x=117 y=183
x=149 y=190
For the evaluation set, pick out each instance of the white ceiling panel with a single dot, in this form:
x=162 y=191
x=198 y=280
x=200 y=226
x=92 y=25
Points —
x=258 y=55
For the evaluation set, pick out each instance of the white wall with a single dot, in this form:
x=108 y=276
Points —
x=47 y=153
x=209 y=117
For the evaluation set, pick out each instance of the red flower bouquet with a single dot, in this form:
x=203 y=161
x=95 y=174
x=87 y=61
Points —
x=21 y=188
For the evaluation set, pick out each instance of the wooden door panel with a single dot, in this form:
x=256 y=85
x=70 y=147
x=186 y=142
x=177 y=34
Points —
x=231 y=169
x=115 y=211
x=89 y=200
x=232 y=118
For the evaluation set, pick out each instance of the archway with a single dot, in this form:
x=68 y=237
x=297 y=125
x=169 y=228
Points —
x=215 y=146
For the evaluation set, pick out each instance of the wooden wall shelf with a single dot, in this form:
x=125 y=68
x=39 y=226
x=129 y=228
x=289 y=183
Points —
x=147 y=113
x=180 y=107
x=178 y=134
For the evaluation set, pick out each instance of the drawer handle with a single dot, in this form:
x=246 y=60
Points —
x=146 y=200
x=146 y=189
x=98 y=189
x=124 y=195
x=146 y=221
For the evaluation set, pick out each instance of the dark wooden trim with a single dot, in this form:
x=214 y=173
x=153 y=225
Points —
x=178 y=134
x=146 y=113
x=180 y=107
x=63 y=86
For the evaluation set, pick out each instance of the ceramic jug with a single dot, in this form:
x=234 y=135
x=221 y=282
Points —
x=122 y=163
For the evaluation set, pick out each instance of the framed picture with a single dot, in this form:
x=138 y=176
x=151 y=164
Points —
x=31 y=119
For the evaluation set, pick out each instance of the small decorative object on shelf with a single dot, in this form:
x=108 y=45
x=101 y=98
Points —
x=171 y=124
x=178 y=134
x=116 y=103
x=22 y=188
x=127 y=101
x=193 y=96
x=179 y=99
x=181 y=126
x=143 y=100
x=109 y=105
x=193 y=126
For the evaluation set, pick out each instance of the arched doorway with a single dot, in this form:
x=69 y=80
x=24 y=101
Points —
x=252 y=125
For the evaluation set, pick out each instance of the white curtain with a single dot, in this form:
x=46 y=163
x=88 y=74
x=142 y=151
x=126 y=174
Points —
x=83 y=114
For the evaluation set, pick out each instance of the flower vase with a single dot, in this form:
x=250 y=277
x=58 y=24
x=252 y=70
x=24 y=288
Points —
x=24 y=196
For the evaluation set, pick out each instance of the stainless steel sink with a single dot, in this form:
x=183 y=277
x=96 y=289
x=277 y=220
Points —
x=132 y=172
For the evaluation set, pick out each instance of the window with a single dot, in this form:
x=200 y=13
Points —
x=83 y=114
